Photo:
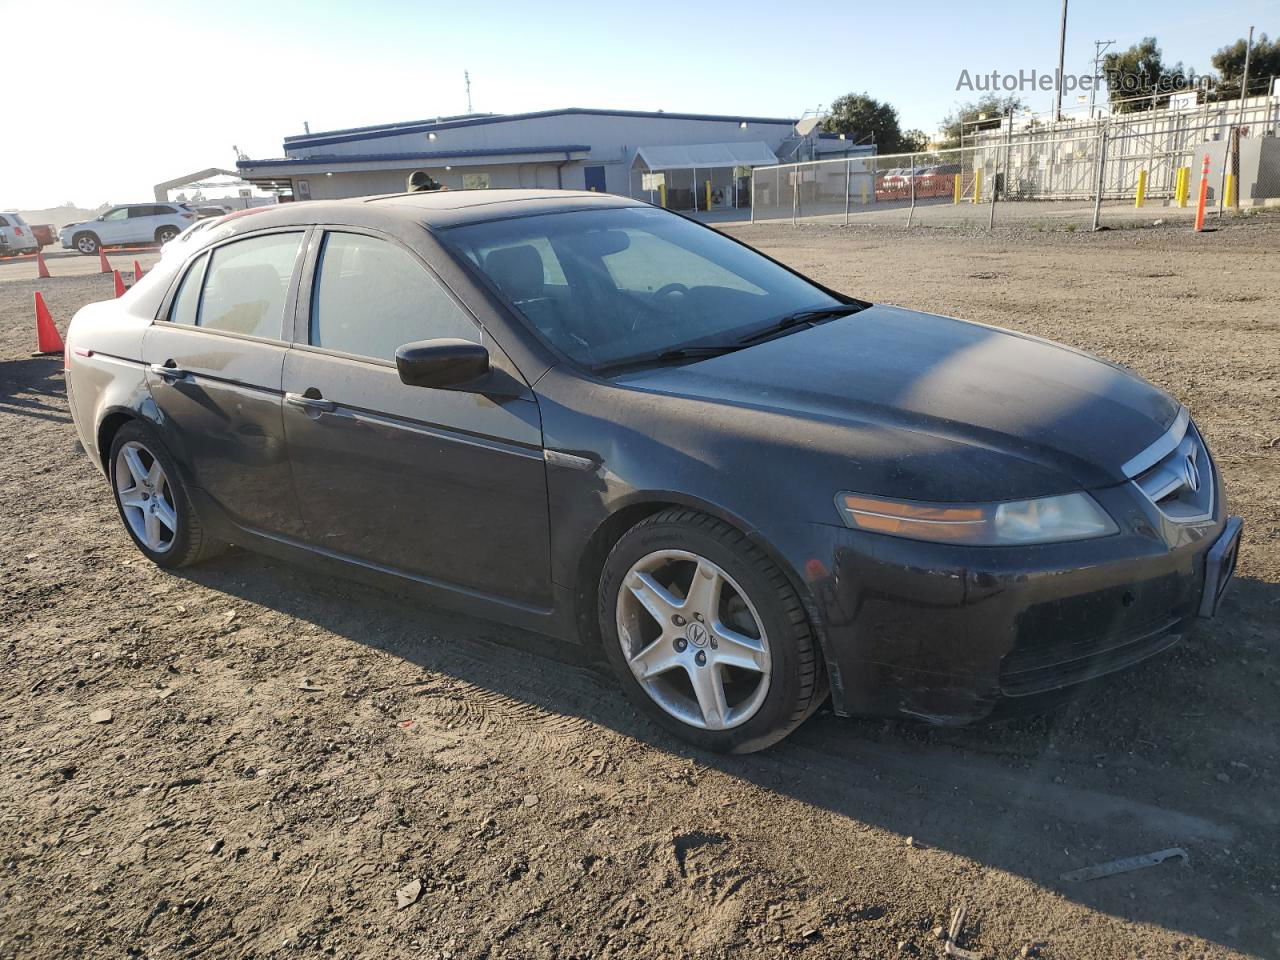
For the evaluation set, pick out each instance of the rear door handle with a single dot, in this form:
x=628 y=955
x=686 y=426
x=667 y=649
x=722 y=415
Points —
x=169 y=372
x=314 y=404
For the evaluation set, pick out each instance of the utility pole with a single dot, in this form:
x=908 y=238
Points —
x=1062 y=60
x=466 y=76
x=1244 y=80
x=1099 y=48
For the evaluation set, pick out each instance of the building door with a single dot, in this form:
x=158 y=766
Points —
x=595 y=178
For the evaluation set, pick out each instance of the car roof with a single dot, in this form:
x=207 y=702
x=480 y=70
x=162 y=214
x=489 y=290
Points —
x=436 y=210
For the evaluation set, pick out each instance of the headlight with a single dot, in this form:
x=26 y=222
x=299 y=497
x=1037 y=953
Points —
x=1072 y=516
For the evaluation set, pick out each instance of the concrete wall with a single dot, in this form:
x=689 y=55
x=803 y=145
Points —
x=358 y=183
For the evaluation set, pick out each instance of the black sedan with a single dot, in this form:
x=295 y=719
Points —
x=582 y=415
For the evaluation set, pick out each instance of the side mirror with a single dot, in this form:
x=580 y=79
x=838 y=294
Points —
x=445 y=363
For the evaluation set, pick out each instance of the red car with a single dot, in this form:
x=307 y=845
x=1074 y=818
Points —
x=45 y=234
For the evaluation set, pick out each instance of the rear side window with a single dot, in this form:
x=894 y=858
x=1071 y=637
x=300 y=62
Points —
x=3 y=222
x=247 y=284
x=159 y=211
x=372 y=297
x=186 y=305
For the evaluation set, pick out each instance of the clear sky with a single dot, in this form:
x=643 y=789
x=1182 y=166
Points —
x=121 y=94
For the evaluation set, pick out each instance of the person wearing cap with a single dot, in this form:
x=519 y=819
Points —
x=422 y=182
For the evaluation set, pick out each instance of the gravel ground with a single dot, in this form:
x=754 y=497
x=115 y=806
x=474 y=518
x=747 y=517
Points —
x=291 y=764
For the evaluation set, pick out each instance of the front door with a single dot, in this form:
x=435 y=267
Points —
x=446 y=486
x=113 y=227
x=215 y=367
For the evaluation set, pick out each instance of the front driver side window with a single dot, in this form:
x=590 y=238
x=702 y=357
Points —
x=120 y=213
x=372 y=297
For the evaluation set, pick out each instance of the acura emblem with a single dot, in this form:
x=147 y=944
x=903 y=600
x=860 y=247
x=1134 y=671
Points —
x=697 y=634
x=1190 y=475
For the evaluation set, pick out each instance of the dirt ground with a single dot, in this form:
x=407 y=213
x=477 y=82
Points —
x=298 y=765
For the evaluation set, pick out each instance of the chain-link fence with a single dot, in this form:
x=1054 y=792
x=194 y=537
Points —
x=1126 y=168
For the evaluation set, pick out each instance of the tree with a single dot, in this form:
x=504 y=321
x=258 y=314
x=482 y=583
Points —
x=981 y=114
x=1137 y=78
x=863 y=119
x=1264 y=63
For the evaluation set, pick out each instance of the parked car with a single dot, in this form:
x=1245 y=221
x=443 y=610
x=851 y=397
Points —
x=587 y=416
x=132 y=224
x=16 y=237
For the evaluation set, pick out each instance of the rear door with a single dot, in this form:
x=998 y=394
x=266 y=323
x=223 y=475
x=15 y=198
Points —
x=141 y=225
x=446 y=486
x=215 y=365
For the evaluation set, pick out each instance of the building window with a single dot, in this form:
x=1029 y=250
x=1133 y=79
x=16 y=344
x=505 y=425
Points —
x=475 y=181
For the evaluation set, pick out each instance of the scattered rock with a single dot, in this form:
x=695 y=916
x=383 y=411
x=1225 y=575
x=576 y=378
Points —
x=408 y=895
x=100 y=716
x=310 y=687
x=530 y=800
x=215 y=846
x=940 y=933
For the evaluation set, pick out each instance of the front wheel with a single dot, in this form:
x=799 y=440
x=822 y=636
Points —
x=153 y=500
x=706 y=634
x=87 y=244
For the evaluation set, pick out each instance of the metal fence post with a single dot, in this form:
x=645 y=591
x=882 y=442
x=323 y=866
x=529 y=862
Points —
x=795 y=193
x=911 y=210
x=1102 y=169
x=995 y=191
x=751 y=195
x=848 y=174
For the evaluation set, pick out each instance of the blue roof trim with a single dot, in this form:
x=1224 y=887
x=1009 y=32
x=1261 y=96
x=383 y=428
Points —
x=429 y=126
x=331 y=159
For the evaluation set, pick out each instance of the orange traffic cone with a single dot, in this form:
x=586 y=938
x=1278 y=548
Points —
x=42 y=271
x=105 y=267
x=137 y=272
x=47 y=339
x=119 y=284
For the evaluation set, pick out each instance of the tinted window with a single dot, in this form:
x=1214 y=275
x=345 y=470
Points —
x=141 y=211
x=372 y=296
x=247 y=285
x=630 y=283
x=162 y=211
x=187 y=302
x=3 y=222
x=119 y=213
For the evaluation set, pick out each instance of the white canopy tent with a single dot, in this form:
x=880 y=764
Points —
x=723 y=162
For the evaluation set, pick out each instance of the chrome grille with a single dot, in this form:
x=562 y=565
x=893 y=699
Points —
x=1176 y=474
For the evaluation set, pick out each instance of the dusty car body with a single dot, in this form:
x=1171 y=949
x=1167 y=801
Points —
x=928 y=517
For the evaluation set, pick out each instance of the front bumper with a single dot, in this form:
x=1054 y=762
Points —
x=954 y=634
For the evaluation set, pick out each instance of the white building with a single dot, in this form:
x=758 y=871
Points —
x=699 y=157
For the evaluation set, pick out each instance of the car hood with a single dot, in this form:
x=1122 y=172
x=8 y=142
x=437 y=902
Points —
x=1047 y=416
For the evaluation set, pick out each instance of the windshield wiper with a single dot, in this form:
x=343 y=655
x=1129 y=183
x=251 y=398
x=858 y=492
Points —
x=802 y=318
x=672 y=356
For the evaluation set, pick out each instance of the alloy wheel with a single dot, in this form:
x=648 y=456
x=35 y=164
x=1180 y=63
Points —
x=693 y=640
x=86 y=245
x=147 y=500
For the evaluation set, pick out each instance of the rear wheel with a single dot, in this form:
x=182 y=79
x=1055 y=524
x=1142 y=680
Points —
x=152 y=500
x=706 y=634
x=165 y=234
x=86 y=243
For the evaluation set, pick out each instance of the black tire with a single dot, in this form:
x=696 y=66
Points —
x=86 y=243
x=797 y=684
x=190 y=543
x=165 y=234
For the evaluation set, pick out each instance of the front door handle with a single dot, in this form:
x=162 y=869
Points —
x=169 y=371
x=311 y=404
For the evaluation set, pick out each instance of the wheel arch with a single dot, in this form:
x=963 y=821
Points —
x=635 y=508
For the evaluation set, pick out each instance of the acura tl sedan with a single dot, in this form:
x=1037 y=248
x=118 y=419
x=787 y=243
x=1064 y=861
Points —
x=589 y=417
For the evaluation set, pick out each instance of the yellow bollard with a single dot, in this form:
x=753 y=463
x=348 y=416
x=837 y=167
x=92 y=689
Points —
x=662 y=194
x=977 y=185
x=1182 y=189
x=955 y=188
x=864 y=190
x=708 y=194
x=1229 y=197
x=1142 y=189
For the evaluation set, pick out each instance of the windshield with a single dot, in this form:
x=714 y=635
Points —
x=611 y=286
